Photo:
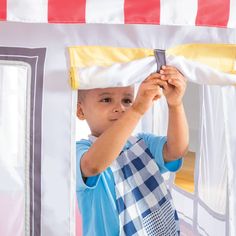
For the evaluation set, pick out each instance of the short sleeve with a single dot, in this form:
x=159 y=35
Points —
x=82 y=147
x=156 y=145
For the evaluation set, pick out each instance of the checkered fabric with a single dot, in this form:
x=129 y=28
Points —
x=144 y=204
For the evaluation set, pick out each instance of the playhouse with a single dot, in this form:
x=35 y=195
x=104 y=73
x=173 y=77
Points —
x=45 y=47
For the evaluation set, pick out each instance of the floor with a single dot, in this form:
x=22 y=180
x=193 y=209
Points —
x=185 y=177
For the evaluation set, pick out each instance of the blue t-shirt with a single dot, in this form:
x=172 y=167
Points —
x=97 y=198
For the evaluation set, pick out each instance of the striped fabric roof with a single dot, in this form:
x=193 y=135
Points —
x=218 y=13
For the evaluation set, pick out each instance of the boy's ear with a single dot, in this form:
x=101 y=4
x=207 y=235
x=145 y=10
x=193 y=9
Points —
x=80 y=113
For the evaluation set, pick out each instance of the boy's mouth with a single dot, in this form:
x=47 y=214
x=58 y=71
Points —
x=113 y=119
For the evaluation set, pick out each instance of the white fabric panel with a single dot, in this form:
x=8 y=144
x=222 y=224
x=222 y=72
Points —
x=74 y=215
x=147 y=121
x=229 y=98
x=136 y=71
x=212 y=182
x=181 y=12
x=160 y=113
x=192 y=100
x=186 y=212
x=27 y=11
x=57 y=158
x=232 y=15
x=129 y=73
x=105 y=11
x=82 y=129
x=199 y=73
x=13 y=84
x=13 y=92
x=208 y=225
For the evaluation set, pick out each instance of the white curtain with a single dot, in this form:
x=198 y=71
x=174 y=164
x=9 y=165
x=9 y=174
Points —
x=13 y=120
x=229 y=98
x=212 y=175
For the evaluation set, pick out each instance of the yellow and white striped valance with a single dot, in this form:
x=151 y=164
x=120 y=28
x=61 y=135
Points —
x=96 y=66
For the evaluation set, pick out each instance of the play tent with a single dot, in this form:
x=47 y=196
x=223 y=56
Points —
x=37 y=103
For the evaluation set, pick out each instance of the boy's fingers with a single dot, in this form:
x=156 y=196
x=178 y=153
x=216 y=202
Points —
x=174 y=77
x=154 y=86
x=156 y=83
x=161 y=83
x=182 y=80
x=153 y=76
x=172 y=71
x=149 y=84
x=168 y=72
x=176 y=83
x=156 y=97
x=168 y=76
x=166 y=67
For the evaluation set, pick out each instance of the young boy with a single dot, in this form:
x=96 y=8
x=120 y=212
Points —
x=119 y=186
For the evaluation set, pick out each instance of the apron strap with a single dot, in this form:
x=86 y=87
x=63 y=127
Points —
x=132 y=140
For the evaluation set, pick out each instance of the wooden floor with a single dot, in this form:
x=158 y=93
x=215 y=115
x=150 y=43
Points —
x=185 y=177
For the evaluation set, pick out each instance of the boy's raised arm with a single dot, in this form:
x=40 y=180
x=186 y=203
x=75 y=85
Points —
x=177 y=133
x=109 y=144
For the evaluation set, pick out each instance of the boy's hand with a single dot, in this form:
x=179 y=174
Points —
x=175 y=88
x=172 y=82
x=149 y=91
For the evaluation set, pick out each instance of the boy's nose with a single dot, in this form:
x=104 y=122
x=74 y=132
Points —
x=119 y=108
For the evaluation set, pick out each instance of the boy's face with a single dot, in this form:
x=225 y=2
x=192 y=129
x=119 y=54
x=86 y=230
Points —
x=102 y=107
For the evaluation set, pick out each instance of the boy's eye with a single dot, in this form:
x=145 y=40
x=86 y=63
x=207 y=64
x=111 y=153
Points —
x=106 y=100
x=127 y=101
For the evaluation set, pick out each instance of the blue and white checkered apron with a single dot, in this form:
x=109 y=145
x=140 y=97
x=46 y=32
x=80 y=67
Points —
x=144 y=203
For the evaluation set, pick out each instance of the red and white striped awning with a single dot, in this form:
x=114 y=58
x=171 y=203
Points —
x=215 y=13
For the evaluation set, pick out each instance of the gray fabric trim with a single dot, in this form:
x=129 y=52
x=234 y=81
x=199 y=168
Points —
x=218 y=216
x=35 y=58
x=160 y=58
